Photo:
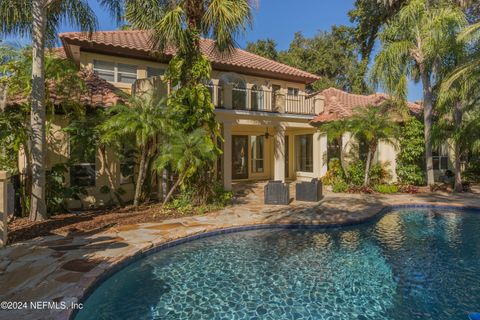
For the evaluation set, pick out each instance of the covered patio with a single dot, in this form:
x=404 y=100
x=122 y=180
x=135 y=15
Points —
x=264 y=146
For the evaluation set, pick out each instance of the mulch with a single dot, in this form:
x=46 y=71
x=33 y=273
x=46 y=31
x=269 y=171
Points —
x=22 y=229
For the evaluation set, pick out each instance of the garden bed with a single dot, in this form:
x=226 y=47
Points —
x=22 y=229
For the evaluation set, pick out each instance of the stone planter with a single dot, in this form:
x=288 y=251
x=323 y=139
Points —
x=277 y=192
x=309 y=191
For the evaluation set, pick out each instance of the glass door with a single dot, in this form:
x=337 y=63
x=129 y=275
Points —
x=239 y=157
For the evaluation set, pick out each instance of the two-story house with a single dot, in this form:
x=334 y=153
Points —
x=261 y=104
x=267 y=116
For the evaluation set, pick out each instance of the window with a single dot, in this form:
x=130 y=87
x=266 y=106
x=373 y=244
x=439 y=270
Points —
x=239 y=96
x=256 y=98
x=115 y=72
x=82 y=156
x=293 y=92
x=105 y=70
x=257 y=144
x=440 y=158
x=155 y=72
x=304 y=151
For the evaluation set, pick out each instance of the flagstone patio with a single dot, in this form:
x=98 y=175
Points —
x=57 y=268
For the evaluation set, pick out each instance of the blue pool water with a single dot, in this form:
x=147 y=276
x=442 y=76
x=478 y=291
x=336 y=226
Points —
x=409 y=264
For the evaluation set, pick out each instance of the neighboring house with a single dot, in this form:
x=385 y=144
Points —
x=262 y=105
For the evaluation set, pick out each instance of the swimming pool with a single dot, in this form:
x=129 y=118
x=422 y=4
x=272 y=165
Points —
x=407 y=264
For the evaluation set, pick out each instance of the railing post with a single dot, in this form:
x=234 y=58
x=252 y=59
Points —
x=4 y=176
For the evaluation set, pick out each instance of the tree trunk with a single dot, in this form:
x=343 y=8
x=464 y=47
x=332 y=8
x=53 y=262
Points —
x=427 y=121
x=458 y=117
x=342 y=160
x=109 y=174
x=367 y=167
x=3 y=97
x=38 y=209
x=141 y=176
x=175 y=186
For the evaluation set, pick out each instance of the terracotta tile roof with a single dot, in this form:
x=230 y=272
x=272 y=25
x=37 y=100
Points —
x=137 y=42
x=59 y=52
x=340 y=104
x=98 y=93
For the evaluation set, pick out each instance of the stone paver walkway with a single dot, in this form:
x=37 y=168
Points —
x=57 y=268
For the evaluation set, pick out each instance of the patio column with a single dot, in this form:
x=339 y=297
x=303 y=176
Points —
x=227 y=156
x=3 y=207
x=320 y=146
x=279 y=153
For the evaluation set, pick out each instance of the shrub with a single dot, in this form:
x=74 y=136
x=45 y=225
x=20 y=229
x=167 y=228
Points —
x=360 y=189
x=386 y=188
x=334 y=172
x=356 y=173
x=472 y=172
x=56 y=190
x=408 y=189
x=184 y=201
x=379 y=173
x=339 y=186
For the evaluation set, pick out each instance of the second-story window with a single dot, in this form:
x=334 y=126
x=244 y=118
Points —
x=155 y=72
x=257 y=98
x=239 y=94
x=293 y=92
x=115 y=72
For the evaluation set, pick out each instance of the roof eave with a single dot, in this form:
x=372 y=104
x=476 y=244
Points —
x=90 y=46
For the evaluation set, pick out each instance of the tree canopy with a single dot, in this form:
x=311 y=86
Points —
x=333 y=55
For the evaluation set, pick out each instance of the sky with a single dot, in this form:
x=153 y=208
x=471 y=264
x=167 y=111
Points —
x=278 y=20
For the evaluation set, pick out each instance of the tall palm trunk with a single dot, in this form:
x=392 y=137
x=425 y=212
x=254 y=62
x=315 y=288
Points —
x=427 y=120
x=174 y=188
x=3 y=97
x=370 y=153
x=141 y=176
x=38 y=209
x=457 y=117
x=342 y=157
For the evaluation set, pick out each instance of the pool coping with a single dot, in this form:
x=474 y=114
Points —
x=121 y=264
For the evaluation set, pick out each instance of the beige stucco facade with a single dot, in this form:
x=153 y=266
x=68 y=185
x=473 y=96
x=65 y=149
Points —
x=291 y=148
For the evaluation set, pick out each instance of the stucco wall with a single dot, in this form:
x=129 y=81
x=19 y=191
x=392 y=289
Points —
x=58 y=151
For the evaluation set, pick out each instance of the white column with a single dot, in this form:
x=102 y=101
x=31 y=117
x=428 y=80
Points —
x=227 y=155
x=3 y=207
x=320 y=146
x=279 y=153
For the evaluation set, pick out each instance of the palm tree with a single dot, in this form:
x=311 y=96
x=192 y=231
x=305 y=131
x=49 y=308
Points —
x=335 y=131
x=185 y=154
x=413 y=45
x=40 y=19
x=180 y=23
x=143 y=121
x=458 y=106
x=372 y=124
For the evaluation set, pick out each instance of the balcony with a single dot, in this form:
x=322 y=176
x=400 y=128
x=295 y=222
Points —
x=229 y=97
x=248 y=99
